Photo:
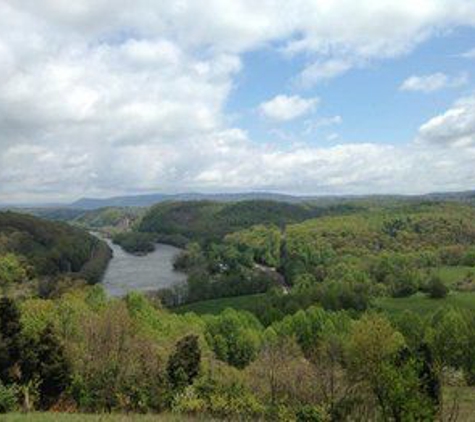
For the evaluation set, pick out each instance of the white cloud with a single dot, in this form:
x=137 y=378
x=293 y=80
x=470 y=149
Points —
x=433 y=82
x=333 y=137
x=102 y=97
x=470 y=54
x=323 y=70
x=284 y=108
x=455 y=127
x=311 y=125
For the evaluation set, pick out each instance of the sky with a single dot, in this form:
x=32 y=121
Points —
x=307 y=97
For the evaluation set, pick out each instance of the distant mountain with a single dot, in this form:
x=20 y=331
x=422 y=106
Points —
x=466 y=196
x=118 y=201
x=148 y=200
x=86 y=204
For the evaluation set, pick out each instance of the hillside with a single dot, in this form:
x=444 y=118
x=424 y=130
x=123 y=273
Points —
x=152 y=199
x=207 y=221
x=52 y=248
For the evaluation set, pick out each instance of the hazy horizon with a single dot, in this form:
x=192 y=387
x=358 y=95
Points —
x=224 y=193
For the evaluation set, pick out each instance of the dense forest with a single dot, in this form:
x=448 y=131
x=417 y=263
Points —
x=46 y=251
x=343 y=257
x=178 y=223
x=341 y=313
x=83 y=353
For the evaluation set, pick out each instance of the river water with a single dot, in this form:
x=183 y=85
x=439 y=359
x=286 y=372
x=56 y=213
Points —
x=127 y=272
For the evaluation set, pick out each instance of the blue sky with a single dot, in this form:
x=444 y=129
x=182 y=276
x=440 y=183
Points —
x=368 y=99
x=112 y=97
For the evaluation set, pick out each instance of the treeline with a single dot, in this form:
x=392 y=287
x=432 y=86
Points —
x=206 y=221
x=84 y=353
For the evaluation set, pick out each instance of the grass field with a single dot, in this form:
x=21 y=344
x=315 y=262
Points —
x=80 y=417
x=462 y=400
x=216 y=306
x=458 y=402
x=422 y=304
x=451 y=275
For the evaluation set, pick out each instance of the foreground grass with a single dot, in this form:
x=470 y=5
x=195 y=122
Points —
x=459 y=405
x=216 y=306
x=422 y=304
x=79 y=417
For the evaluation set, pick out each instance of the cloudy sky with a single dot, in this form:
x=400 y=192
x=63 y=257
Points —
x=107 y=97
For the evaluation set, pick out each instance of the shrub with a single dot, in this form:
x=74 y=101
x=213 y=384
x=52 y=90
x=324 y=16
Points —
x=436 y=288
x=8 y=399
x=312 y=414
x=184 y=364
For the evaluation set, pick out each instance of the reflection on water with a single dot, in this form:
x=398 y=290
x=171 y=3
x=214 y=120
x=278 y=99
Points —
x=127 y=272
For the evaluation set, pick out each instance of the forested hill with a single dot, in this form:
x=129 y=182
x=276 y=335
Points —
x=208 y=220
x=151 y=199
x=48 y=248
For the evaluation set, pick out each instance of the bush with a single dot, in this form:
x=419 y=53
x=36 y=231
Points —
x=312 y=414
x=436 y=288
x=8 y=399
x=134 y=242
x=184 y=364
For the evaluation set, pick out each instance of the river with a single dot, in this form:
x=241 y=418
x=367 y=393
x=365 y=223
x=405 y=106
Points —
x=127 y=272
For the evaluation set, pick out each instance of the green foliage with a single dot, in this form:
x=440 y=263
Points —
x=312 y=326
x=263 y=242
x=10 y=339
x=12 y=270
x=378 y=358
x=234 y=337
x=52 y=248
x=191 y=257
x=220 y=398
x=393 y=242
x=44 y=359
x=216 y=306
x=207 y=221
x=117 y=367
x=8 y=398
x=436 y=288
x=133 y=242
x=26 y=360
x=184 y=363
x=312 y=414
x=109 y=218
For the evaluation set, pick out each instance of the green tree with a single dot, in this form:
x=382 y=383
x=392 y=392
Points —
x=10 y=329
x=44 y=360
x=11 y=271
x=184 y=363
x=234 y=336
x=379 y=359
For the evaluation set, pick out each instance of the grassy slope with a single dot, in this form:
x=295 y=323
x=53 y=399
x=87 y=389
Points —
x=422 y=304
x=451 y=275
x=216 y=306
